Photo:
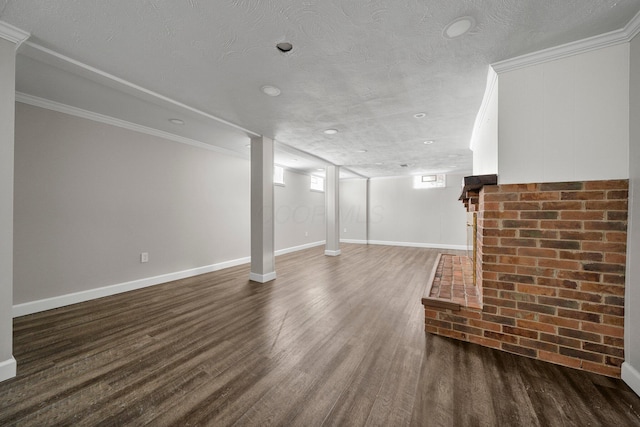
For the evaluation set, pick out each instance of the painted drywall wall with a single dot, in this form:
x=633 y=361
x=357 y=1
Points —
x=90 y=198
x=7 y=94
x=631 y=366
x=299 y=212
x=484 y=142
x=566 y=120
x=400 y=214
x=353 y=210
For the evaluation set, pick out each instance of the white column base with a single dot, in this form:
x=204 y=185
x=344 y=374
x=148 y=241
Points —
x=8 y=369
x=332 y=253
x=262 y=278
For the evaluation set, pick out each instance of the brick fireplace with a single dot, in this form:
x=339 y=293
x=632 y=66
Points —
x=550 y=271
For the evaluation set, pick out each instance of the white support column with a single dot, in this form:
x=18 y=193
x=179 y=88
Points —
x=263 y=264
x=332 y=205
x=10 y=39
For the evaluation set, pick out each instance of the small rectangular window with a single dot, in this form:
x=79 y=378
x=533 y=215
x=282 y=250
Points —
x=317 y=183
x=278 y=175
x=429 y=181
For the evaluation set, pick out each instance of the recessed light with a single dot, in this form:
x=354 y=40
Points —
x=284 y=47
x=270 y=90
x=428 y=142
x=330 y=131
x=420 y=115
x=177 y=121
x=458 y=27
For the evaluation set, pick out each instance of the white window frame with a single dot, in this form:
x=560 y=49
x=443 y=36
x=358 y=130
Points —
x=278 y=175
x=430 y=181
x=318 y=188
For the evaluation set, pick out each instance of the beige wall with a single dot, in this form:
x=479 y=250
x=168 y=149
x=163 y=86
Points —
x=424 y=217
x=353 y=210
x=7 y=94
x=299 y=212
x=566 y=120
x=89 y=198
x=631 y=368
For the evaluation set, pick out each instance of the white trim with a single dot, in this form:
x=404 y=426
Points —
x=101 y=118
x=631 y=376
x=43 y=52
x=299 y=248
x=492 y=84
x=356 y=241
x=8 y=369
x=13 y=34
x=76 y=297
x=623 y=35
x=332 y=253
x=262 y=278
x=421 y=245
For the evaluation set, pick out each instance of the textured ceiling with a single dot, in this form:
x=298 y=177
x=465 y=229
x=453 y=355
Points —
x=362 y=67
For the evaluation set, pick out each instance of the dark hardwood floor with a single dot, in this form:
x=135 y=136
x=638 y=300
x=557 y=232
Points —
x=332 y=341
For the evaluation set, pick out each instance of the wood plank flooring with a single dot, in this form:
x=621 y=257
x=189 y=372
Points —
x=332 y=341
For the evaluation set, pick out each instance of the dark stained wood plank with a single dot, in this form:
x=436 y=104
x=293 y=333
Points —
x=332 y=341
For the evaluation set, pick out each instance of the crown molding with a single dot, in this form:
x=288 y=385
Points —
x=51 y=57
x=13 y=34
x=612 y=38
x=90 y=115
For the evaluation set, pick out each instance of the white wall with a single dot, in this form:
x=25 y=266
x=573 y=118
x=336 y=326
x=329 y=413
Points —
x=89 y=198
x=631 y=366
x=353 y=210
x=299 y=212
x=400 y=214
x=484 y=142
x=566 y=120
x=7 y=94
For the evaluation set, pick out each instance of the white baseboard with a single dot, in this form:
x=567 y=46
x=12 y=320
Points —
x=262 y=278
x=332 y=253
x=421 y=245
x=356 y=241
x=8 y=369
x=299 y=248
x=631 y=376
x=76 y=297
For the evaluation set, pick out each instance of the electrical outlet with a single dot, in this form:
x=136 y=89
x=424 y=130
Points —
x=345 y=230
x=144 y=257
x=306 y=234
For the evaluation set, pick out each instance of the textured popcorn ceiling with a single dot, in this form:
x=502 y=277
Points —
x=363 y=67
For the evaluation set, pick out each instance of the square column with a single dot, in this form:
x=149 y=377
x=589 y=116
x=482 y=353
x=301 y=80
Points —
x=263 y=264
x=10 y=39
x=332 y=206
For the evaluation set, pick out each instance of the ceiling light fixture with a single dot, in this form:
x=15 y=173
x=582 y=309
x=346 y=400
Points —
x=361 y=151
x=177 y=121
x=420 y=115
x=270 y=90
x=458 y=27
x=284 y=47
x=428 y=142
x=330 y=131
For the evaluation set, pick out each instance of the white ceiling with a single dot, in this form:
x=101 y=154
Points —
x=362 y=67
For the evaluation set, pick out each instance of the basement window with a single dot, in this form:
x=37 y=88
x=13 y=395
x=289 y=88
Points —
x=278 y=175
x=317 y=183
x=429 y=181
